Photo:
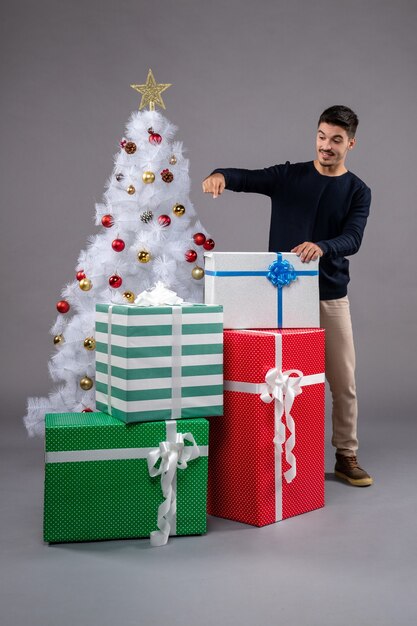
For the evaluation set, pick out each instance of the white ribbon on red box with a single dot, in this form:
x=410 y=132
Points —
x=281 y=388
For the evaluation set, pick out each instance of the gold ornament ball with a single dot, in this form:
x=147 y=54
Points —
x=173 y=160
x=197 y=273
x=86 y=383
x=178 y=210
x=148 y=177
x=131 y=190
x=85 y=284
x=144 y=256
x=58 y=339
x=89 y=343
x=129 y=296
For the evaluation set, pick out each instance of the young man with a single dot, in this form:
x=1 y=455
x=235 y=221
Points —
x=320 y=209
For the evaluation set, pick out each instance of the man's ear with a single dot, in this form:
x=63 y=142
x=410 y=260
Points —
x=352 y=143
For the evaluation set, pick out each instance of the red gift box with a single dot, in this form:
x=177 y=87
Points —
x=267 y=453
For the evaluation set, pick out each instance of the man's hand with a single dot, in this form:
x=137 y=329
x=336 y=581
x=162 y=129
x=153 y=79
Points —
x=308 y=251
x=214 y=184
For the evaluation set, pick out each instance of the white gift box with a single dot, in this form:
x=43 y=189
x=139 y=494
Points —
x=263 y=289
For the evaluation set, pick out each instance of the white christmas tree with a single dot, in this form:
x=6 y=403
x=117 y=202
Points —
x=148 y=233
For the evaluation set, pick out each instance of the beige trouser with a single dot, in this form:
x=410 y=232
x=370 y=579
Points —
x=340 y=373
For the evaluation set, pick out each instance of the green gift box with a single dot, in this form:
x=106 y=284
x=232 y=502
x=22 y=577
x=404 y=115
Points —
x=108 y=480
x=159 y=362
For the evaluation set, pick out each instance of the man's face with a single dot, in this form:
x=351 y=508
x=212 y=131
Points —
x=332 y=145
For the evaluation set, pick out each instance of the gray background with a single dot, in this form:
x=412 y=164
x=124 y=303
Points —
x=249 y=82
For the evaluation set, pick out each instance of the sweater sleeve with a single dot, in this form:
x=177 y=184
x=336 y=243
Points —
x=349 y=241
x=265 y=181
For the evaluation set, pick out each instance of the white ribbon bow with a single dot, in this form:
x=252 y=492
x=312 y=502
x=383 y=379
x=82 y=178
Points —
x=173 y=455
x=158 y=296
x=283 y=388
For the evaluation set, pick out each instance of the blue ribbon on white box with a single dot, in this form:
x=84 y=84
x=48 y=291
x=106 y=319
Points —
x=281 y=273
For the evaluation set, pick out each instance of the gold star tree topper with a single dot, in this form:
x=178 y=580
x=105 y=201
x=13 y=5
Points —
x=151 y=92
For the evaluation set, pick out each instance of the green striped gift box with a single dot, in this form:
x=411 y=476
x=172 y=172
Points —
x=159 y=362
x=98 y=484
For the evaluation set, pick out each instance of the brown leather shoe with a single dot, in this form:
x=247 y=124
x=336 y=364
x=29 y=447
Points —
x=347 y=468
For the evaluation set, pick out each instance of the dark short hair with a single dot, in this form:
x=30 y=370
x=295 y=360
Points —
x=339 y=115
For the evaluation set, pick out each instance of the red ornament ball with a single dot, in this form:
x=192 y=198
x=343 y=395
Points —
x=80 y=275
x=190 y=256
x=87 y=410
x=164 y=220
x=115 y=281
x=199 y=239
x=63 y=306
x=107 y=221
x=154 y=138
x=209 y=244
x=118 y=245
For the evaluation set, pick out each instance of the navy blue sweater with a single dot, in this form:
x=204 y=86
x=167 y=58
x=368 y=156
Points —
x=330 y=211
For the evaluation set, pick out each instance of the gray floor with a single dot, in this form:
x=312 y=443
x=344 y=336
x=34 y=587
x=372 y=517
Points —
x=351 y=563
